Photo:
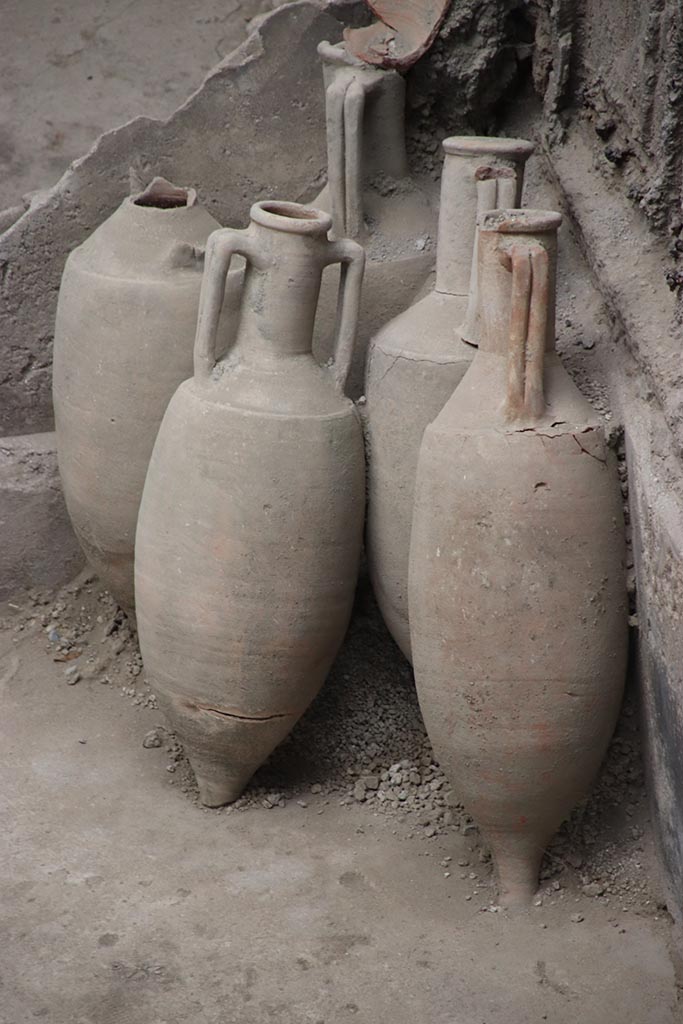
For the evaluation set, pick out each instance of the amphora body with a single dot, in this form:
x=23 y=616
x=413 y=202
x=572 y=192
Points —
x=125 y=325
x=417 y=359
x=251 y=520
x=517 y=591
x=372 y=197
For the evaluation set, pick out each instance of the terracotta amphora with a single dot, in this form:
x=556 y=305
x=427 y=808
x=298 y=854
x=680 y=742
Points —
x=417 y=360
x=251 y=521
x=126 y=317
x=372 y=198
x=517 y=589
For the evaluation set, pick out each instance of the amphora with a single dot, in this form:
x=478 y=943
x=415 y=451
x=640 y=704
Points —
x=251 y=521
x=126 y=316
x=372 y=197
x=418 y=358
x=516 y=587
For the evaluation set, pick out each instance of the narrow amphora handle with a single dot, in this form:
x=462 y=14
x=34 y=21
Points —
x=351 y=256
x=530 y=296
x=221 y=246
x=345 y=106
x=496 y=190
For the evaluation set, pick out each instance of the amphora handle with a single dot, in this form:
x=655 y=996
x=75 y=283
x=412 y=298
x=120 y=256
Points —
x=221 y=246
x=530 y=296
x=351 y=256
x=497 y=187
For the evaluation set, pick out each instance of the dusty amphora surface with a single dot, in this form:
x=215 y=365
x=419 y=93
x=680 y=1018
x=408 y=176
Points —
x=372 y=197
x=124 y=334
x=251 y=521
x=517 y=588
x=418 y=358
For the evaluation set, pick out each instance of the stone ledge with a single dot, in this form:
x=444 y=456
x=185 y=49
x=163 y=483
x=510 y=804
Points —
x=38 y=546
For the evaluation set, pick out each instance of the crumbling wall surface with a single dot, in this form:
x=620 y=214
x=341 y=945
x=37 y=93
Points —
x=265 y=99
x=629 y=58
x=457 y=87
x=610 y=76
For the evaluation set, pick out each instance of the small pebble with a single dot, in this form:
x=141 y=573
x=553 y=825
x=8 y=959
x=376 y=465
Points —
x=576 y=918
x=152 y=739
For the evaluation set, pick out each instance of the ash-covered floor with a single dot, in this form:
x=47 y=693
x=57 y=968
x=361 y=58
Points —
x=318 y=898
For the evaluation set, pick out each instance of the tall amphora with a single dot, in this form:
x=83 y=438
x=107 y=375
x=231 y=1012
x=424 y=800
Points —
x=372 y=197
x=126 y=316
x=516 y=586
x=251 y=521
x=418 y=358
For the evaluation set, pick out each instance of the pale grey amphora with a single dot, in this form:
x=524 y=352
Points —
x=517 y=594
x=124 y=334
x=251 y=520
x=417 y=359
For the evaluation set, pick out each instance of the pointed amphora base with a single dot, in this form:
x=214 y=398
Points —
x=517 y=861
x=224 y=746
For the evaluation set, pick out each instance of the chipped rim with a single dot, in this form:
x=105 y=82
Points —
x=484 y=145
x=520 y=222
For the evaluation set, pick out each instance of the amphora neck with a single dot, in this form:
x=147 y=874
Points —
x=282 y=281
x=365 y=112
x=479 y=174
x=286 y=249
x=517 y=270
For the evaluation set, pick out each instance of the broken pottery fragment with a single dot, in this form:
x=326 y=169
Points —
x=372 y=198
x=251 y=521
x=123 y=342
x=405 y=29
x=517 y=591
x=417 y=360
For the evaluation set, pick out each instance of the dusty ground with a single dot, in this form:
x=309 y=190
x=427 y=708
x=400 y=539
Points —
x=125 y=901
x=70 y=71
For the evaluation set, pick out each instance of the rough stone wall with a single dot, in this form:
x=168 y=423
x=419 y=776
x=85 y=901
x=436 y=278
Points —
x=610 y=78
x=458 y=86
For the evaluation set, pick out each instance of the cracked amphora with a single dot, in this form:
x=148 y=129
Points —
x=418 y=358
x=123 y=343
x=372 y=197
x=517 y=591
x=251 y=520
